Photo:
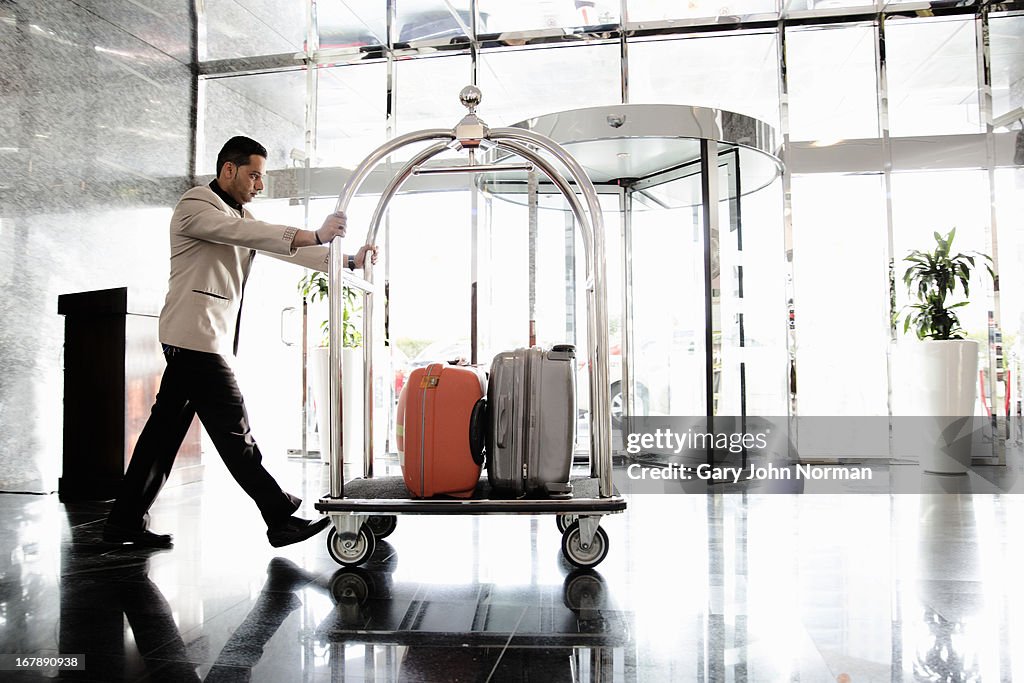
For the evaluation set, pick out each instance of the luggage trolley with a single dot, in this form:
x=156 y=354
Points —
x=365 y=509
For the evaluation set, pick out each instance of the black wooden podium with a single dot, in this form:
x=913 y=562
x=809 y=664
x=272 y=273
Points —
x=112 y=370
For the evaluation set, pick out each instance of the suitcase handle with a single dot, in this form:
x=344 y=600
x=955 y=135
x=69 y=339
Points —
x=478 y=431
x=502 y=422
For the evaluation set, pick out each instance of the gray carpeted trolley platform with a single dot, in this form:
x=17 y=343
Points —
x=365 y=509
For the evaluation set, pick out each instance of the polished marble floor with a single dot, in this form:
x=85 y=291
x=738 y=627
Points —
x=855 y=588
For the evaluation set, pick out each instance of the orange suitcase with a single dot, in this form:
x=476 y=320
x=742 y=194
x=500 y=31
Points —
x=439 y=430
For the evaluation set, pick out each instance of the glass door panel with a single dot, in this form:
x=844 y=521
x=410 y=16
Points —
x=668 y=349
x=765 y=314
x=747 y=313
x=727 y=269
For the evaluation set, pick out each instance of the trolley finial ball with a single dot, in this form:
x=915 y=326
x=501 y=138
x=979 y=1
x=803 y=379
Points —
x=470 y=97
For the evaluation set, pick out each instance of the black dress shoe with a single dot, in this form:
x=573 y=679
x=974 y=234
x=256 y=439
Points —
x=295 y=529
x=113 y=533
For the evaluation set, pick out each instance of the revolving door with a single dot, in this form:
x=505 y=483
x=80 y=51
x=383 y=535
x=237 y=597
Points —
x=697 y=276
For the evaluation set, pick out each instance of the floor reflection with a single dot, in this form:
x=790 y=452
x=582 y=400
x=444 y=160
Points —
x=92 y=616
x=477 y=632
x=106 y=587
x=735 y=588
x=944 y=653
x=378 y=628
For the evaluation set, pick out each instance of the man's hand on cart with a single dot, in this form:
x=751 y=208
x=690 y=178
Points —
x=360 y=256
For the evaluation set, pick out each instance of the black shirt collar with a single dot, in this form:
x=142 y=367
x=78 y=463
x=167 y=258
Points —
x=228 y=199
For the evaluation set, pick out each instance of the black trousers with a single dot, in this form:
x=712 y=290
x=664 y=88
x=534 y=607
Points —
x=197 y=383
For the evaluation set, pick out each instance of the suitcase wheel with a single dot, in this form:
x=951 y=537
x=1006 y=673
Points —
x=351 y=551
x=576 y=554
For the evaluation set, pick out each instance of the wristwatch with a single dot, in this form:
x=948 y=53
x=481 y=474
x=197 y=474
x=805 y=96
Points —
x=351 y=262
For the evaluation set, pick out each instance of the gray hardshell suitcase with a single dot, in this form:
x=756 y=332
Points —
x=531 y=399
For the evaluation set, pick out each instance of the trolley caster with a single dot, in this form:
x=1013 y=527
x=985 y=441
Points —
x=565 y=521
x=382 y=525
x=584 y=591
x=351 y=551
x=576 y=554
x=351 y=586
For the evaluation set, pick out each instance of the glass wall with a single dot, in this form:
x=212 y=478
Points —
x=933 y=76
x=841 y=277
x=668 y=308
x=1010 y=208
x=518 y=84
x=764 y=305
x=427 y=92
x=433 y=20
x=351 y=114
x=1005 y=37
x=429 y=263
x=939 y=201
x=819 y=58
x=735 y=72
x=247 y=28
x=498 y=16
x=849 y=212
x=708 y=10
x=267 y=107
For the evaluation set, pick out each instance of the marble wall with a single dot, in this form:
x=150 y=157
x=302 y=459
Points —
x=95 y=134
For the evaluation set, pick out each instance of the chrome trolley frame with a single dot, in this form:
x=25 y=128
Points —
x=369 y=512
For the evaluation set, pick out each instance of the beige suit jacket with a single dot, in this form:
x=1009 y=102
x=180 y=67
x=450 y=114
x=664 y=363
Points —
x=211 y=248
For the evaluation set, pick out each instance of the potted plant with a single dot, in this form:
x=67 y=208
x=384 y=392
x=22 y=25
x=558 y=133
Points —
x=314 y=288
x=936 y=374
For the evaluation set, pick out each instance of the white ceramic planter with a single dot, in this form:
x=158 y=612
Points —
x=936 y=380
x=352 y=399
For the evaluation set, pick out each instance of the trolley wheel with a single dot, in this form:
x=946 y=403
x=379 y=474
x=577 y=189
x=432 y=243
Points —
x=382 y=525
x=351 y=586
x=584 y=590
x=565 y=521
x=353 y=551
x=576 y=554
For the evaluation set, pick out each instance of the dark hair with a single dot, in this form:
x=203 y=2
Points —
x=237 y=150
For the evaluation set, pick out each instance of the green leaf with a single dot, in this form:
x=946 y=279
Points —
x=931 y=278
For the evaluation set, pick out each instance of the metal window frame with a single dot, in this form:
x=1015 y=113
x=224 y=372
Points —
x=624 y=33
